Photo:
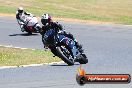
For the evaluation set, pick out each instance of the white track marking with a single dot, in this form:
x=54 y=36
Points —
x=30 y=65
x=10 y=46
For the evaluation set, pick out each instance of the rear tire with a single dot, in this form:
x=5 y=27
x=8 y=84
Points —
x=83 y=60
x=63 y=57
x=29 y=32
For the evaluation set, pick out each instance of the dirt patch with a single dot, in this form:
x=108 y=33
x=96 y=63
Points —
x=7 y=14
x=81 y=21
x=65 y=19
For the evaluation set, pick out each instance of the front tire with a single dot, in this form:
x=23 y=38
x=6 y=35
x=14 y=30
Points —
x=63 y=57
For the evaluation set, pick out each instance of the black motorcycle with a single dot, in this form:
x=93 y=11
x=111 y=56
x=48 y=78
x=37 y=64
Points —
x=63 y=47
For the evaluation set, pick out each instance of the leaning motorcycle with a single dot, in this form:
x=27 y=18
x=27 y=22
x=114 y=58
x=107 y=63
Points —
x=31 y=24
x=63 y=47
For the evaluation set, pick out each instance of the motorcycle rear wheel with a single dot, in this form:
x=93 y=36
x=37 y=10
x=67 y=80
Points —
x=83 y=60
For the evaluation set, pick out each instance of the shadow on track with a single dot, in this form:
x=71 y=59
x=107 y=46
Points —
x=24 y=34
x=62 y=65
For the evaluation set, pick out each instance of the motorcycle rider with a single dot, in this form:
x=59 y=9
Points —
x=48 y=23
x=21 y=16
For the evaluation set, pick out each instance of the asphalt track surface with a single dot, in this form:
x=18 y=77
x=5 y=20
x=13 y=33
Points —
x=107 y=46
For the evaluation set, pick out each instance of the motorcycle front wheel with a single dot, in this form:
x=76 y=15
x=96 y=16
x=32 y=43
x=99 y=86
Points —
x=65 y=55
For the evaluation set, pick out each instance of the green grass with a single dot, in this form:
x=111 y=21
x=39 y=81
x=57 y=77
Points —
x=117 y=11
x=13 y=56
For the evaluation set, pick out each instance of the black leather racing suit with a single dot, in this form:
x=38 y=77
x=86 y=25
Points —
x=57 y=27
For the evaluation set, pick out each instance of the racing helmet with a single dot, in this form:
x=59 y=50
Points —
x=45 y=19
x=20 y=10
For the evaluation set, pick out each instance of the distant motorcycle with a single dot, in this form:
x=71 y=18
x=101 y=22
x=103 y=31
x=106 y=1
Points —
x=31 y=24
x=64 y=47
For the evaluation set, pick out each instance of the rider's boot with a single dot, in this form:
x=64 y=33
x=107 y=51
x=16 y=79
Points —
x=22 y=28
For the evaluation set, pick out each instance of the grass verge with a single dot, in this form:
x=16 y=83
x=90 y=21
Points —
x=117 y=11
x=15 y=56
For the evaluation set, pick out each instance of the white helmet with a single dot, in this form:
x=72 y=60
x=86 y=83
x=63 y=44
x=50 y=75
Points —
x=20 y=10
x=46 y=18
